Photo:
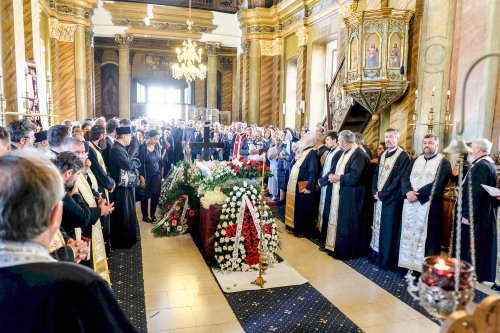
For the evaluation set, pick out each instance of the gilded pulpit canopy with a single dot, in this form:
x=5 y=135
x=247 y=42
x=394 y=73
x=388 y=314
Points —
x=377 y=51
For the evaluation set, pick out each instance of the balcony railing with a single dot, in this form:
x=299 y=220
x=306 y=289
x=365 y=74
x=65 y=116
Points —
x=227 y=6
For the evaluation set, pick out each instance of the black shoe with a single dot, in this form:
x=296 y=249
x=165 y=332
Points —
x=154 y=220
x=146 y=219
x=322 y=248
x=495 y=287
x=299 y=235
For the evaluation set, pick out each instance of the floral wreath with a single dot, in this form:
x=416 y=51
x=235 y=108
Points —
x=177 y=219
x=238 y=232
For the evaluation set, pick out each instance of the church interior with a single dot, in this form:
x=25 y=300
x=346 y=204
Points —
x=359 y=65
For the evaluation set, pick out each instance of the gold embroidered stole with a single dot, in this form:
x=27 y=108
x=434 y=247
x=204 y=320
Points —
x=99 y=259
x=385 y=169
x=86 y=191
x=331 y=234
x=291 y=188
x=415 y=215
x=57 y=241
x=326 y=169
x=100 y=160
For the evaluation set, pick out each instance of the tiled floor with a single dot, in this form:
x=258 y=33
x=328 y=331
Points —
x=183 y=296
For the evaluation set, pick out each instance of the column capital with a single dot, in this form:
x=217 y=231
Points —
x=302 y=36
x=270 y=47
x=123 y=41
x=89 y=38
x=63 y=32
x=245 y=45
x=212 y=48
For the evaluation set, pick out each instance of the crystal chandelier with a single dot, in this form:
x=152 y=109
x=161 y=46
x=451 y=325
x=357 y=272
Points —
x=189 y=64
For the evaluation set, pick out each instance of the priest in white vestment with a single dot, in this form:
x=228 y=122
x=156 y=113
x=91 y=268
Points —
x=423 y=185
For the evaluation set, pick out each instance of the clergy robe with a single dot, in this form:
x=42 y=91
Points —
x=105 y=183
x=240 y=145
x=58 y=297
x=123 y=218
x=346 y=225
x=326 y=191
x=78 y=214
x=481 y=171
x=106 y=151
x=421 y=229
x=388 y=208
x=304 y=212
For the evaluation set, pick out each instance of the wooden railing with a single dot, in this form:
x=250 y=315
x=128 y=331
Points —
x=329 y=87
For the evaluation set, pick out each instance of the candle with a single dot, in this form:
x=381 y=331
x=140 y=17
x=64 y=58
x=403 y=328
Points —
x=441 y=267
x=263 y=168
x=448 y=101
x=284 y=108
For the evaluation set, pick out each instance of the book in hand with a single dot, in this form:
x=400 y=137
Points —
x=302 y=185
x=492 y=191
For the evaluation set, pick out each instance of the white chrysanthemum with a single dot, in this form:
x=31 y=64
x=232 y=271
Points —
x=224 y=247
x=227 y=256
x=245 y=184
x=230 y=248
x=224 y=224
x=233 y=239
x=223 y=232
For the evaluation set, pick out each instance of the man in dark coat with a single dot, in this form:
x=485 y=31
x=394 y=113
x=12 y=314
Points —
x=124 y=218
x=38 y=293
x=346 y=225
x=111 y=127
x=386 y=189
x=481 y=171
x=300 y=202
x=423 y=186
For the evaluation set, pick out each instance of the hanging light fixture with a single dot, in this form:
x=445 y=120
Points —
x=189 y=64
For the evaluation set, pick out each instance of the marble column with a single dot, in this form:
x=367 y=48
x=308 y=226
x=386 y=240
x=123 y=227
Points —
x=254 y=83
x=13 y=54
x=80 y=74
x=236 y=91
x=124 y=42
x=212 y=49
x=89 y=66
x=301 y=34
x=244 y=81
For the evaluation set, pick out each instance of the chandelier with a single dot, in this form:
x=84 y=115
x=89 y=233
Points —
x=189 y=64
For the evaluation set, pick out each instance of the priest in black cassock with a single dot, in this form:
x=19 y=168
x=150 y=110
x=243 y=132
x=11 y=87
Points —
x=332 y=154
x=423 y=186
x=124 y=218
x=386 y=189
x=481 y=171
x=300 y=213
x=346 y=219
x=37 y=293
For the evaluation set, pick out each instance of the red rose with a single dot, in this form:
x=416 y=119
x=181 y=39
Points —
x=244 y=161
x=237 y=169
x=253 y=162
x=169 y=206
x=248 y=167
x=191 y=213
x=259 y=169
x=230 y=164
x=267 y=168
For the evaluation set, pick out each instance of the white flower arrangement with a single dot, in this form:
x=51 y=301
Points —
x=215 y=197
x=240 y=252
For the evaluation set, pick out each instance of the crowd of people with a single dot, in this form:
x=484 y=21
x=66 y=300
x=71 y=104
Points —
x=385 y=205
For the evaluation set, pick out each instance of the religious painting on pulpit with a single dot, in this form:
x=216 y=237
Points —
x=394 y=58
x=353 y=54
x=109 y=93
x=372 y=51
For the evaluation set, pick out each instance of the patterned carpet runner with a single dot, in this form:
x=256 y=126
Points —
x=125 y=267
x=288 y=309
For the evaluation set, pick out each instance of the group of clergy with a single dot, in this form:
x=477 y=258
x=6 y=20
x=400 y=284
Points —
x=391 y=210
x=91 y=164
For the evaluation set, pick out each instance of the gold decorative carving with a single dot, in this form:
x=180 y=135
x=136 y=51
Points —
x=302 y=36
x=270 y=48
x=245 y=46
x=226 y=62
x=63 y=32
x=212 y=48
x=123 y=41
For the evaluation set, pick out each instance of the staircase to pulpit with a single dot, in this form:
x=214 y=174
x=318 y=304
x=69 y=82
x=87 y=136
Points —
x=344 y=113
